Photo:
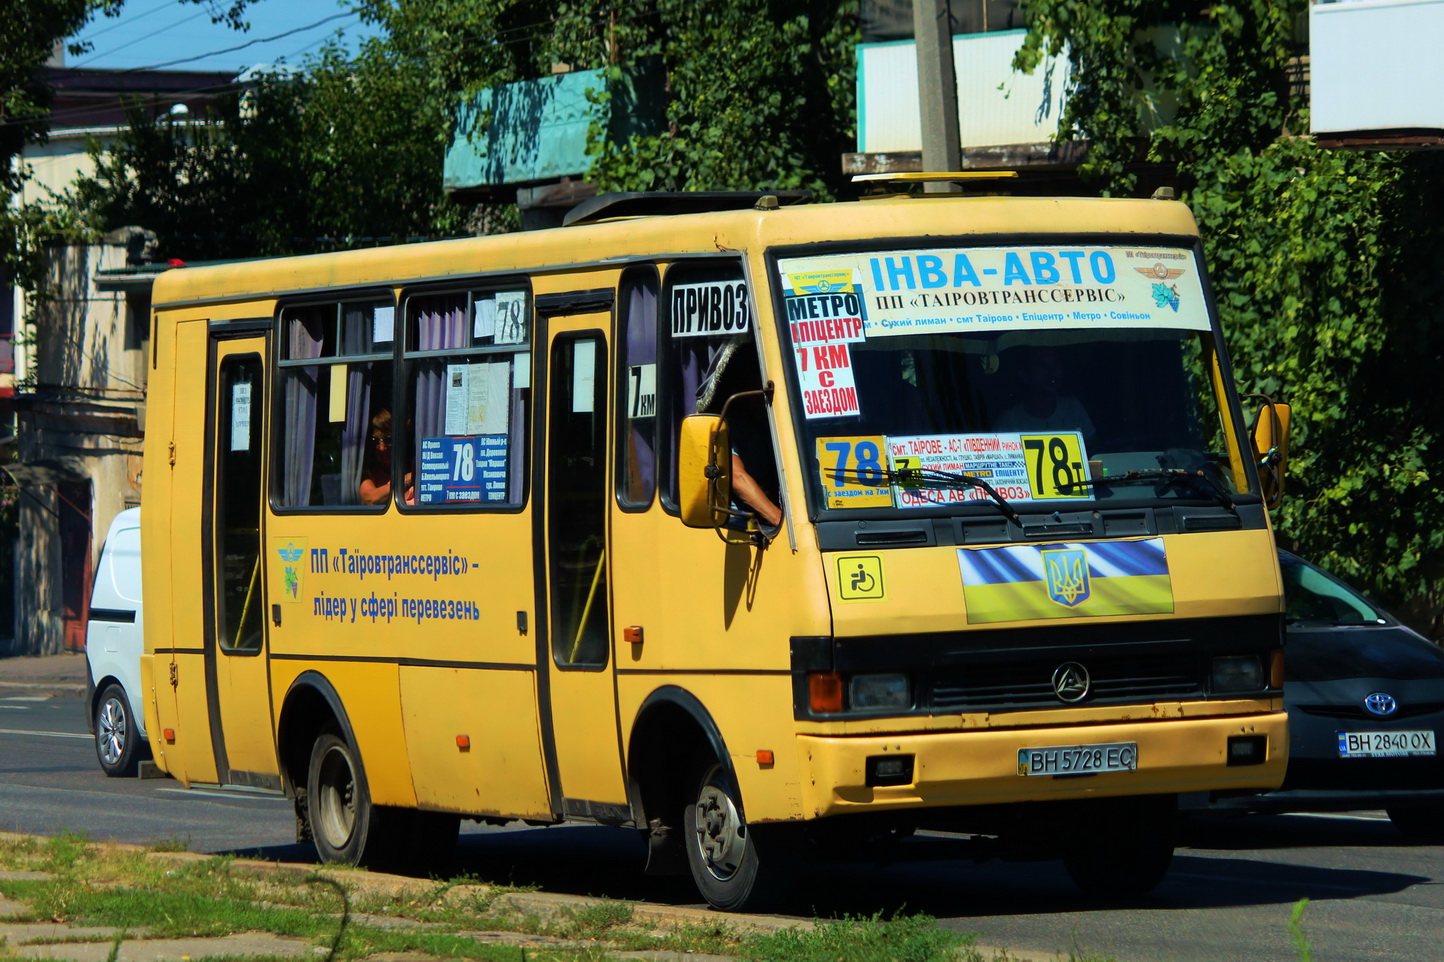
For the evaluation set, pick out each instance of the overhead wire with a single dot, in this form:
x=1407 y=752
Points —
x=213 y=53
x=249 y=43
x=522 y=33
x=59 y=117
x=128 y=21
x=153 y=34
x=310 y=46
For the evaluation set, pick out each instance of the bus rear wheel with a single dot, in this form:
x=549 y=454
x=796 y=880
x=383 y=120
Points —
x=338 y=803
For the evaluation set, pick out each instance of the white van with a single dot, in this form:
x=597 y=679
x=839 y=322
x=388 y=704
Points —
x=113 y=644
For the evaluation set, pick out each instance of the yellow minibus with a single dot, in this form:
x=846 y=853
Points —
x=772 y=530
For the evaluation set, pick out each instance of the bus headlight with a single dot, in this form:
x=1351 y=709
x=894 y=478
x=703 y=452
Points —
x=1237 y=673
x=878 y=692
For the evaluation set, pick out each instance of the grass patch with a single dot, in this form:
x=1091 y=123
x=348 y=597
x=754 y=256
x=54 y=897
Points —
x=173 y=843
x=144 y=893
x=910 y=938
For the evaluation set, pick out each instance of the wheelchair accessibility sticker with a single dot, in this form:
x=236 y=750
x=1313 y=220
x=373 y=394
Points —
x=859 y=578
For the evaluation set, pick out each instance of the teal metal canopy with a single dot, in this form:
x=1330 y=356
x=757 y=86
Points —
x=536 y=130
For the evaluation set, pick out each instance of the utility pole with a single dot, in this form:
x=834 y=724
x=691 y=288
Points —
x=937 y=90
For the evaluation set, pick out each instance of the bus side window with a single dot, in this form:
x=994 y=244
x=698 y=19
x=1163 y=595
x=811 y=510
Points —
x=463 y=438
x=335 y=366
x=637 y=371
x=707 y=320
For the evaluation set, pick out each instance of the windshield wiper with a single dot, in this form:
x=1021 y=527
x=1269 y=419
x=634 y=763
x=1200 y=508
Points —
x=1165 y=476
x=920 y=478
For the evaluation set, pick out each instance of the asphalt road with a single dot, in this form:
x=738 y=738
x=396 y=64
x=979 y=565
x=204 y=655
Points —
x=1228 y=897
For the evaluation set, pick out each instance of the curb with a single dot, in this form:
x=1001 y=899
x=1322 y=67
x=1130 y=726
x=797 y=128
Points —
x=66 y=687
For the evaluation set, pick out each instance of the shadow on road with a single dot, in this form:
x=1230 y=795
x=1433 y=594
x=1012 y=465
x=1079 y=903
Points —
x=608 y=862
x=1268 y=832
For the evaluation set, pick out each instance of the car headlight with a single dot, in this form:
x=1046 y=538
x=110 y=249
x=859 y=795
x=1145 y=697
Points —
x=880 y=691
x=1237 y=673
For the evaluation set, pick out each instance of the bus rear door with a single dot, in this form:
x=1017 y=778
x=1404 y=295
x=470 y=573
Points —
x=234 y=575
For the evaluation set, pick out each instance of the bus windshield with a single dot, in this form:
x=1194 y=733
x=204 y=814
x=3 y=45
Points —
x=1056 y=376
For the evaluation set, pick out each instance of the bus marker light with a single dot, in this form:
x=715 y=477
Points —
x=169 y=735
x=764 y=757
x=632 y=634
x=824 y=690
x=463 y=742
x=882 y=770
x=1247 y=749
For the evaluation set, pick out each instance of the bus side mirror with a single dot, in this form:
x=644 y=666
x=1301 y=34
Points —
x=1271 y=444
x=704 y=471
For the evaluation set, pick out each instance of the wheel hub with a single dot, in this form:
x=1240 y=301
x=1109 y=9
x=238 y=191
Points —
x=719 y=832
x=112 y=731
x=338 y=800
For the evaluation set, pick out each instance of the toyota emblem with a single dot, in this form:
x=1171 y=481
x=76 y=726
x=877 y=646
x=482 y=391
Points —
x=1381 y=704
x=1070 y=682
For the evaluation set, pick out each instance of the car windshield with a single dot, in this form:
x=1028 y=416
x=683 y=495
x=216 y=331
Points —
x=1311 y=596
x=1056 y=376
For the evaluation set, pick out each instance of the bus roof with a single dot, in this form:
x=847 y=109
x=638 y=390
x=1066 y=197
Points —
x=617 y=241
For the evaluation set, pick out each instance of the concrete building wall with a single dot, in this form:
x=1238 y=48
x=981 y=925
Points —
x=78 y=436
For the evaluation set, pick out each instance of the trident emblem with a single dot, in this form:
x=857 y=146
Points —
x=1067 y=570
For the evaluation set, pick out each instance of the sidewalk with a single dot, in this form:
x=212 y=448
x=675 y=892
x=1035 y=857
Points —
x=56 y=673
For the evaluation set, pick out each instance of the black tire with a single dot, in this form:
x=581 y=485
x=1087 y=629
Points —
x=1122 y=849
x=117 y=740
x=723 y=851
x=344 y=823
x=1421 y=823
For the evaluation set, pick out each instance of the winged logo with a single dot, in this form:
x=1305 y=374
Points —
x=1160 y=271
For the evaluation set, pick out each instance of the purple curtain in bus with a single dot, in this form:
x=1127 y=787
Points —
x=642 y=349
x=439 y=326
x=355 y=339
x=303 y=340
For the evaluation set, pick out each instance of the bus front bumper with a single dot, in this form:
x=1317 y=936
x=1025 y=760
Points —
x=983 y=767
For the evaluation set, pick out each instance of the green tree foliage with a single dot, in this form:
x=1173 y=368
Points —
x=30 y=32
x=1326 y=263
x=345 y=153
x=757 y=94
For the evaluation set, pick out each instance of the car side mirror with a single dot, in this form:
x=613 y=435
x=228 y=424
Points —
x=704 y=471
x=1271 y=444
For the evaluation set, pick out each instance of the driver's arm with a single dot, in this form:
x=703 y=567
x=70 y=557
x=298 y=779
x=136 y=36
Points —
x=746 y=489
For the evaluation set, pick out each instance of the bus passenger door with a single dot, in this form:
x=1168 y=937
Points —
x=574 y=644
x=238 y=694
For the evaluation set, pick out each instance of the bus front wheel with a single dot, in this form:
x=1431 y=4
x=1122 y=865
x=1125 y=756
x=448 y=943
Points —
x=343 y=820
x=722 y=848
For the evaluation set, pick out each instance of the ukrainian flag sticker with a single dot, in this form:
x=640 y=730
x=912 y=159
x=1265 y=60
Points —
x=1092 y=579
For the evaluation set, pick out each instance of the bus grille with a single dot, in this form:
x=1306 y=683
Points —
x=986 y=687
